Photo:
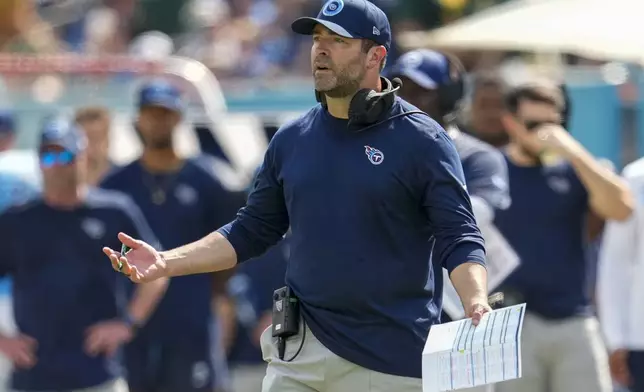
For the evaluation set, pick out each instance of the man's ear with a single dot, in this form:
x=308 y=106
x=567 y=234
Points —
x=375 y=56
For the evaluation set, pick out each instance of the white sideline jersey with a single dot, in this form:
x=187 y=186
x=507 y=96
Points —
x=620 y=279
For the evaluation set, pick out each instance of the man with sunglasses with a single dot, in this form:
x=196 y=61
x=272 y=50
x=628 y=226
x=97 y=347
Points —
x=554 y=182
x=68 y=309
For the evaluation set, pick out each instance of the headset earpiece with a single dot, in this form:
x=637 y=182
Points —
x=565 y=111
x=368 y=106
x=361 y=105
x=451 y=93
x=321 y=98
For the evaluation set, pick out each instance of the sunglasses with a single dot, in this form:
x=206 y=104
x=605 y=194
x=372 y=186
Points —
x=534 y=125
x=58 y=158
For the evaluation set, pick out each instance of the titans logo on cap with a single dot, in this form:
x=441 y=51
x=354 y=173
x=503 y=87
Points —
x=332 y=7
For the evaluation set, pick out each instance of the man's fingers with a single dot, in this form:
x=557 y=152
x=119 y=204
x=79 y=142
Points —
x=93 y=342
x=108 y=252
x=129 y=241
x=116 y=264
x=30 y=342
x=113 y=256
x=136 y=276
x=126 y=267
x=477 y=315
x=25 y=359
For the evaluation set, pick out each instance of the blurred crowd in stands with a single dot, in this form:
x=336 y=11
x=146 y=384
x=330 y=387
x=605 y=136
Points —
x=235 y=38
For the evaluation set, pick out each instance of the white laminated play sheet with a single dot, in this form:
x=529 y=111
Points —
x=458 y=355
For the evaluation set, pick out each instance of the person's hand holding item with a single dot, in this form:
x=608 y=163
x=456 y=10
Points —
x=142 y=263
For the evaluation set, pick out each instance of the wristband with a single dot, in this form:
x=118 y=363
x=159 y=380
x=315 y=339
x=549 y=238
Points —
x=130 y=322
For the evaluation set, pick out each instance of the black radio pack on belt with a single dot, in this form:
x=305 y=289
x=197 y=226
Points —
x=286 y=313
x=286 y=319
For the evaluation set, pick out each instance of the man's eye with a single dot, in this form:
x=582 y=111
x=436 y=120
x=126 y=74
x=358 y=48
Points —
x=339 y=40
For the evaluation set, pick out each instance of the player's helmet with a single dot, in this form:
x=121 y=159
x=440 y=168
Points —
x=434 y=70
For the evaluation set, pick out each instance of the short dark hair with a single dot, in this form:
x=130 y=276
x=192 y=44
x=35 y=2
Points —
x=367 y=44
x=536 y=93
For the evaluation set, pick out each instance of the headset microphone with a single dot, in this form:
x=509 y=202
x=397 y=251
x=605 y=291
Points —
x=397 y=84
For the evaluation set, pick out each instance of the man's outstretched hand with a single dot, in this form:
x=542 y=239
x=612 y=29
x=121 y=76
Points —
x=141 y=264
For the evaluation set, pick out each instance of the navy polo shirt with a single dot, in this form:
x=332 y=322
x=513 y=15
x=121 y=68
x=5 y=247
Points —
x=195 y=204
x=545 y=224
x=375 y=216
x=485 y=170
x=62 y=284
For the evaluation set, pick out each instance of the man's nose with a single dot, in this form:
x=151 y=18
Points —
x=321 y=48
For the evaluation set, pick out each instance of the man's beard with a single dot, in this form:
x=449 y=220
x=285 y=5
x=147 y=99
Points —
x=343 y=83
x=158 y=144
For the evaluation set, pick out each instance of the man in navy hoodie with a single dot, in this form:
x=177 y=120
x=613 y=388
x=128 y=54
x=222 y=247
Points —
x=371 y=188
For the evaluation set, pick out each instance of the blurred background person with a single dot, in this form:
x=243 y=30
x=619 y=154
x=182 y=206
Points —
x=562 y=346
x=482 y=116
x=96 y=123
x=67 y=305
x=183 y=200
x=620 y=291
x=434 y=82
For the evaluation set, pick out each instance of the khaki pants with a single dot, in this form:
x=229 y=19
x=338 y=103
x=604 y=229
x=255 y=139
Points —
x=317 y=369
x=247 y=378
x=111 y=386
x=561 y=356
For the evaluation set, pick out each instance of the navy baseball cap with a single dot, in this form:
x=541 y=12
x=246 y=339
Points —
x=349 y=19
x=64 y=134
x=427 y=68
x=7 y=122
x=161 y=93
